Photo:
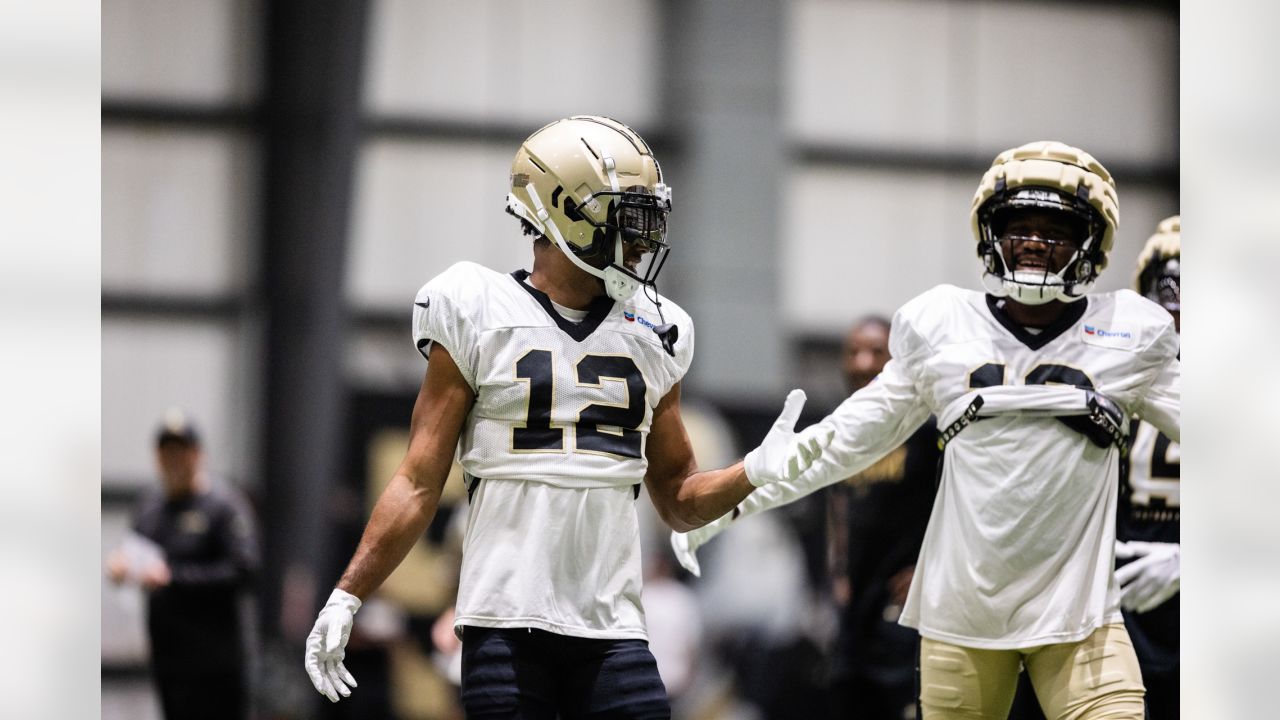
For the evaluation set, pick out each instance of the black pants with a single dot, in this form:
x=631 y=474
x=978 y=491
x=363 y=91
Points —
x=197 y=697
x=522 y=674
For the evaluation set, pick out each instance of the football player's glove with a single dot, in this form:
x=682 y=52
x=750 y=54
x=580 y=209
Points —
x=327 y=646
x=1154 y=575
x=785 y=454
x=686 y=547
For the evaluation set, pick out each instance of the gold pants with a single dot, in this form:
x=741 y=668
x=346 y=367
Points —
x=1097 y=677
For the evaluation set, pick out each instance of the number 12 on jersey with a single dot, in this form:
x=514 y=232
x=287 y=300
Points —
x=539 y=435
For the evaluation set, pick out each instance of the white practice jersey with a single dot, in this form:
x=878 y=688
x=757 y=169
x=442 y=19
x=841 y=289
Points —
x=557 y=440
x=1019 y=551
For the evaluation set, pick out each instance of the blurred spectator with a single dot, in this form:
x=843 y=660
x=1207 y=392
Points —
x=876 y=522
x=193 y=550
x=674 y=622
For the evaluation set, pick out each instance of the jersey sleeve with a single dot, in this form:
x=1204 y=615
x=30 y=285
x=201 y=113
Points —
x=869 y=424
x=441 y=314
x=1161 y=404
x=668 y=368
x=684 y=348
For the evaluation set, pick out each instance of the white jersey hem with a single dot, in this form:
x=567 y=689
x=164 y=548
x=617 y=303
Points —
x=564 y=481
x=1017 y=643
x=551 y=627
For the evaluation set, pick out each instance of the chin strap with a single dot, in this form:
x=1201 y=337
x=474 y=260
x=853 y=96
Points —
x=549 y=228
x=667 y=332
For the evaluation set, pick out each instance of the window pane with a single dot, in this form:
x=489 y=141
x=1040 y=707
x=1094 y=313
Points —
x=205 y=368
x=515 y=62
x=188 y=51
x=179 y=210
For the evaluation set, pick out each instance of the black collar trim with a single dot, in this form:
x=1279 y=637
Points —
x=1074 y=312
x=596 y=313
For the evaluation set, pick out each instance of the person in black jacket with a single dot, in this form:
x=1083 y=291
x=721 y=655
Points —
x=194 y=551
x=876 y=523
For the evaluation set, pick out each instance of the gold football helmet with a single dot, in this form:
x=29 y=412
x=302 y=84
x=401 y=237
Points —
x=591 y=185
x=1159 y=274
x=1051 y=176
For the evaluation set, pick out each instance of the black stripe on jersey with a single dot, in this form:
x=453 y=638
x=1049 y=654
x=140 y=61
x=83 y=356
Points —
x=1073 y=313
x=596 y=313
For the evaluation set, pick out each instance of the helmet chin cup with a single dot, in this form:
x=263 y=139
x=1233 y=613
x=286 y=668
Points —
x=1033 y=288
x=1034 y=291
x=620 y=286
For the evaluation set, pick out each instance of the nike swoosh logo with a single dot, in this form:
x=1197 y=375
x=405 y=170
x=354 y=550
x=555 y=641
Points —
x=424 y=305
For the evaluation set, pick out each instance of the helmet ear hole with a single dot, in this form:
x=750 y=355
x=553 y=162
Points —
x=598 y=238
x=571 y=210
x=1084 y=269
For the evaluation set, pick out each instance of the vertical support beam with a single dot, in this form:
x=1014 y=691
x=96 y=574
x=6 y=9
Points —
x=724 y=104
x=311 y=121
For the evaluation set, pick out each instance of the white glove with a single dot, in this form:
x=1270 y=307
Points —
x=1152 y=578
x=327 y=643
x=685 y=546
x=785 y=454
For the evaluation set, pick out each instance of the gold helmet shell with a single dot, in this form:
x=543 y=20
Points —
x=1050 y=175
x=587 y=181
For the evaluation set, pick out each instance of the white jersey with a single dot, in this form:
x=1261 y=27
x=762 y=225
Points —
x=1019 y=550
x=556 y=439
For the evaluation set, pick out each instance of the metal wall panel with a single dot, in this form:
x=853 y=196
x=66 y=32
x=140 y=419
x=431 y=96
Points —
x=931 y=75
x=150 y=365
x=423 y=206
x=179 y=210
x=515 y=61
x=181 y=50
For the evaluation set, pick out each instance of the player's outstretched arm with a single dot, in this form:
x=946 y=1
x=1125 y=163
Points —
x=399 y=518
x=684 y=498
x=865 y=427
x=687 y=499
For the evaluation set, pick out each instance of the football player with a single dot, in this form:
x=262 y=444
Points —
x=1148 y=524
x=559 y=389
x=1033 y=383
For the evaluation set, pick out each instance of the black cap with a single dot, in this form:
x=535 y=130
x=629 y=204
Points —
x=177 y=427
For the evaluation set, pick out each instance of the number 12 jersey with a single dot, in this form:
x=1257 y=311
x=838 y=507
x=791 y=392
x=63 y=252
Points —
x=555 y=447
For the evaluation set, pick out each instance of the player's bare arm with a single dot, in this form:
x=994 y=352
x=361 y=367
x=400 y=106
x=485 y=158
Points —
x=399 y=518
x=406 y=507
x=685 y=498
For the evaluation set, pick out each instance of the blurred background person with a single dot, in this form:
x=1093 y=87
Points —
x=876 y=522
x=194 y=552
